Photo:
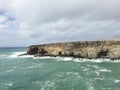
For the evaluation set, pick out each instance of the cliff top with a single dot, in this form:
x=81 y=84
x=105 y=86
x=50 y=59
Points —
x=99 y=42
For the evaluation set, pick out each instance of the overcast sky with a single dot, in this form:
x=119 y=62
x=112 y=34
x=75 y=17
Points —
x=26 y=22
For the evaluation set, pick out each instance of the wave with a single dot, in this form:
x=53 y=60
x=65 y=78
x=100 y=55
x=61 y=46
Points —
x=9 y=71
x=105 y=70
x=86 y=60
x=43 y=57
x=9 y=84
x=58 y=58
x=2 y=56
x=117 y=81
x=35 y=66
x=100 y=60
x=16 y=55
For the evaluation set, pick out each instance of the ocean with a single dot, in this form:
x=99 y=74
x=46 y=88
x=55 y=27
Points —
x=56 y=73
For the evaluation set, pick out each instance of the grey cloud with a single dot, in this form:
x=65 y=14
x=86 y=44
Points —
x=44 y=21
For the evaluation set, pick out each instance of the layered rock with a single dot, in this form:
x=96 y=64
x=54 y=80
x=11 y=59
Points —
x=87 y=49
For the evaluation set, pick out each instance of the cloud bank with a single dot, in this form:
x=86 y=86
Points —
x=25 y=22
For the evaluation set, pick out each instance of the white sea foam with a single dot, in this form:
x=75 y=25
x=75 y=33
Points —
x=95 y=60
x=56 y=58
x=98 y=73
x=16 y=55
x=25 y=56
x=98 y=78
x=9 y=84
x=117 y=81
x=9 y=71
x=105 y=70
x=2 y=55
x=82 y=60
x=93 y=66
x=43 y=57
x=35 y=66
x=64 y=58
x=48 y=85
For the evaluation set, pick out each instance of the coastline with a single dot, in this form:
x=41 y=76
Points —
x=86 y=49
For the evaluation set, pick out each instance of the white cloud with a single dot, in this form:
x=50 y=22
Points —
x=43 y=21
x=2 y=19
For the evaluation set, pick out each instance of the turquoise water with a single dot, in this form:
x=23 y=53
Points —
x=45 y=73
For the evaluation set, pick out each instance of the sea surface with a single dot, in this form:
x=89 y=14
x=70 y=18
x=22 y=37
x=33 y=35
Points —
x=59 y=73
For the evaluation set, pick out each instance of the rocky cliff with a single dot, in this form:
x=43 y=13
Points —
x=87 y=49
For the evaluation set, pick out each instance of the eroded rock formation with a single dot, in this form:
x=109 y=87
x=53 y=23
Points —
x=87 y=49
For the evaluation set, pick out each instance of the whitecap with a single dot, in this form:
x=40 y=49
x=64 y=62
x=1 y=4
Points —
x=98 y=79
x=95 y=60
x=2 y=55
x=63 y=58
x=9 y=84
x=58 y=58
x=98 y=73
x=105 y=70
x=93 y=66
x=47 y=85
x=99 y=60
x=26 y=56
x=67 y=59
x=16 y=55
x=55 y=58
x=35 y=65
x=9 y=71
x=82 y=59
x=43 y=57
x=76 y=60
x=116 y=61
x=117 y=81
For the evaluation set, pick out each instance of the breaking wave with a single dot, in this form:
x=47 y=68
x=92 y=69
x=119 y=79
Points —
x=16 y=55
x=58 y=58
x=77 y=59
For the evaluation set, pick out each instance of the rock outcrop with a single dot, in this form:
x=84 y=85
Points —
x=87 y=49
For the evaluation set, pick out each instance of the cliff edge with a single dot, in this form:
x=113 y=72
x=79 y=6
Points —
x=86 y=49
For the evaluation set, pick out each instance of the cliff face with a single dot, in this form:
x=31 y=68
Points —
x=87 y=49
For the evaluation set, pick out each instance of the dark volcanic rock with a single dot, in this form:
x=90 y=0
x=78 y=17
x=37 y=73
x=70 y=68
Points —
x=32 y=50
x=88 y=49
x=22 y=54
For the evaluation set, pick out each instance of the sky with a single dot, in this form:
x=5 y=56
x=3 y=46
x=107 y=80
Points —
x=29 y=22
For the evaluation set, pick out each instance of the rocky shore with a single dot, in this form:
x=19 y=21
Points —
x=87 y=49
